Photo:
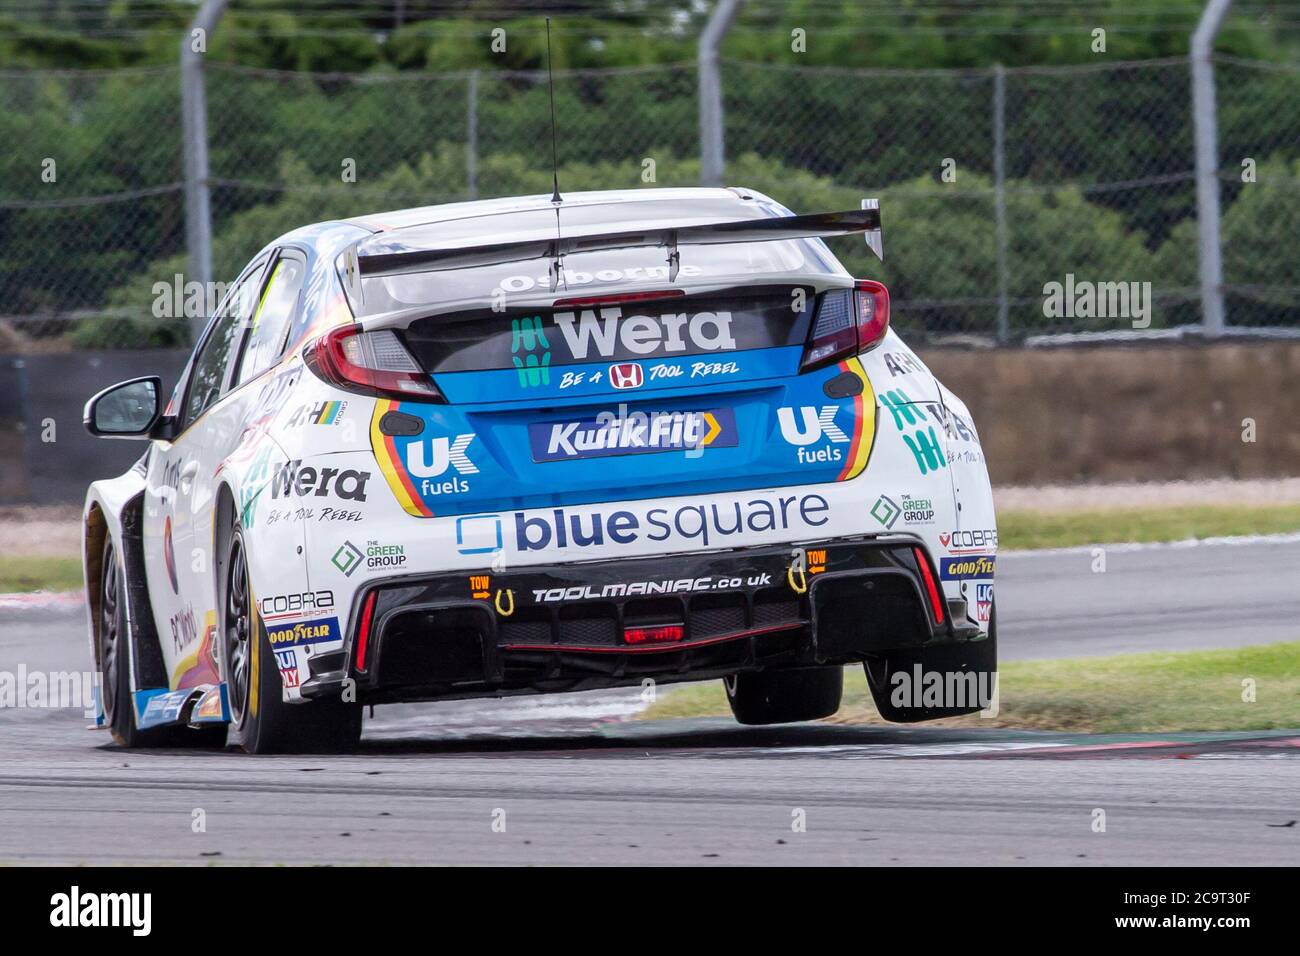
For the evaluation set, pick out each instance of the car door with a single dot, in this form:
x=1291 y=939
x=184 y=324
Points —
x=178 y=568
x=236 y=439
x=236 y=425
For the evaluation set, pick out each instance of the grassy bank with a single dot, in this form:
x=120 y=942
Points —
x=1056 y=529
x=19 y=573
x=1126 y=693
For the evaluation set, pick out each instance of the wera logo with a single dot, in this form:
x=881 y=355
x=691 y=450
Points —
x=292 y=479
x=923 y=443
x=530 y=351
x=75 y=909
x=644 y=334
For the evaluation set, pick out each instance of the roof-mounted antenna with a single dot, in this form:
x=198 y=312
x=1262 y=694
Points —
x=550 y=82
x=557 y=262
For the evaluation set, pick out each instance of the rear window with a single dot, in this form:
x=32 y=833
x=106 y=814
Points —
x=752 y=317
x=595 y=272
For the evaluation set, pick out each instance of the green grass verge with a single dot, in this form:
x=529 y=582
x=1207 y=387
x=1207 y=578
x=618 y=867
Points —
x=1126 y=693
x=1054 y=529
x=39 y=574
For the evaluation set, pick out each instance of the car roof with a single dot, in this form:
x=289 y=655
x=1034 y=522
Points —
x=690 y=198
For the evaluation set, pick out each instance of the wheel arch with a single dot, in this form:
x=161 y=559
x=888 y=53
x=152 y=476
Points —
x=223 y=522
x=120 y=516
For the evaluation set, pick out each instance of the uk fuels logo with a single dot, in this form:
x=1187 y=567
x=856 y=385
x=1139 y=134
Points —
x=427 y=459
x=811 y=427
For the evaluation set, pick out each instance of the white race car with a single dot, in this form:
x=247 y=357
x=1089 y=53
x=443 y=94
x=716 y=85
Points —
x=523 y=446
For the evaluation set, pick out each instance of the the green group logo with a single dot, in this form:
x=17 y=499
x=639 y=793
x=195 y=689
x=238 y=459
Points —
x=534 y=365
x=347 y=558
x=886 y=511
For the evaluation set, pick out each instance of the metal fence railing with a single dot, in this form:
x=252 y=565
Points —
x=994 y=183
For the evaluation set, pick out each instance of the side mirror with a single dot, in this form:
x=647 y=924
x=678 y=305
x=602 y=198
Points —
x=125 y=410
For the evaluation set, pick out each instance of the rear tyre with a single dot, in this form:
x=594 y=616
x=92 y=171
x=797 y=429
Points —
x=261 y=721
x=115 y=653
x=892 y=677
x=785 y=696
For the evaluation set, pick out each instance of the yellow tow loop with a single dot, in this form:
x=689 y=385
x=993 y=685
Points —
x=510 y=599
x=797 y=577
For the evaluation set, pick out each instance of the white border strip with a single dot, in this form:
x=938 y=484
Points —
x=1242 y=540
x=27 y=600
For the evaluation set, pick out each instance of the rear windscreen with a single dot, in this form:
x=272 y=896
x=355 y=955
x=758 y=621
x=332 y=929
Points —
x=755 y=317
x=593 y=273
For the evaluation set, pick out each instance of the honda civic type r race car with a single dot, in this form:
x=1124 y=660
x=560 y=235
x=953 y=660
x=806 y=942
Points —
x=528 y=445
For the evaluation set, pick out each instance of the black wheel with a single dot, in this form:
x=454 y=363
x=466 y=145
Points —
x=261 y=721
x=785 y=696
x=114 y=654
x=968 y=669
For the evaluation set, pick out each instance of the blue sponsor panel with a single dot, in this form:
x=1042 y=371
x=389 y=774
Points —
x=501 y=456
x=983 y=602
x=639 y=431
x=968 y=568
x=317 y=630
x=619 y=378
x=157 y=707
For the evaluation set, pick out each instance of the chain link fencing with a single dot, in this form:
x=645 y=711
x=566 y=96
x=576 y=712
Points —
x=994 y=184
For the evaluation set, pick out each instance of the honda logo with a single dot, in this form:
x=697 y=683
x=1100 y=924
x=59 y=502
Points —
x=627 y=375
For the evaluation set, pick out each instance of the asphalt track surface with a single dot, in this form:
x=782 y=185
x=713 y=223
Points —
x=572 y=780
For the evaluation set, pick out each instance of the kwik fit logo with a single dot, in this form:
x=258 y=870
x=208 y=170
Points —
x=631 y=431
x=530 y=351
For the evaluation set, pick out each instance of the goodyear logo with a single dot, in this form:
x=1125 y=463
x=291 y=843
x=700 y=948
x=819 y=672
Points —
x=316 y=631
x=964 y=569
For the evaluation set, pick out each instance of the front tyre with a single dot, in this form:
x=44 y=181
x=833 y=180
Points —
x=785 y=696
x=114 y=652
x=261 y=721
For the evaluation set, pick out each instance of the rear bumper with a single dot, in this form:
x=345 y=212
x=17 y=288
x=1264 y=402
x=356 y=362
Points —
x=565 y=627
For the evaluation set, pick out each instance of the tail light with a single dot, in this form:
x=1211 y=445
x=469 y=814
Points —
x=931 y=589
x=372 y=363
x=363 y=630
x=660 y=634
x=848 y=321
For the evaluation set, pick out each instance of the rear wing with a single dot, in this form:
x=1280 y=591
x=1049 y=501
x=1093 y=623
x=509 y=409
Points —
x=431 y=258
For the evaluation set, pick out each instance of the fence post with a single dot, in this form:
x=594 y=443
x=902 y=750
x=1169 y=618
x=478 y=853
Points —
x=471 y=141
x=1000 y=195
x=1206 y=128
x=194 y=145
x=712 y=146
